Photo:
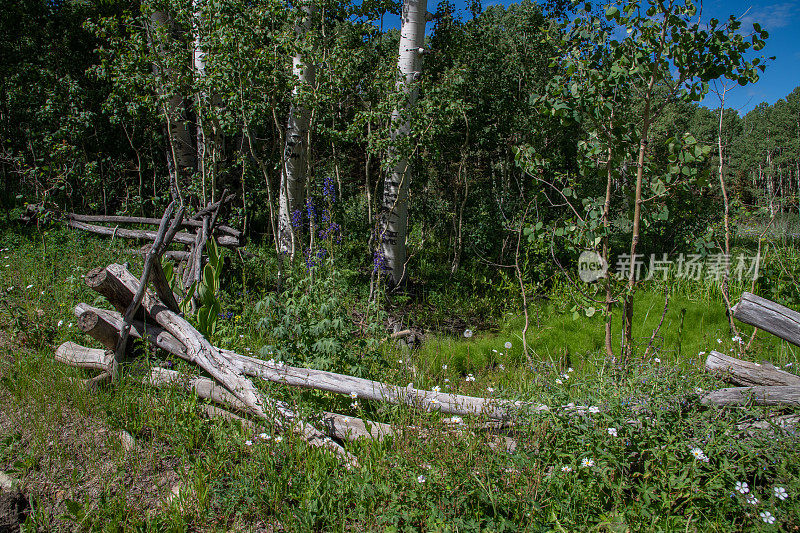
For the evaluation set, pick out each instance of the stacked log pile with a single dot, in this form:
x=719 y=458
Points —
x=758 y=383
x=152 y=315
x=194 y=233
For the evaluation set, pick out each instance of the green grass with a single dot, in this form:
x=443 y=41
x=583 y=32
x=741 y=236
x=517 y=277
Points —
x=62 y=443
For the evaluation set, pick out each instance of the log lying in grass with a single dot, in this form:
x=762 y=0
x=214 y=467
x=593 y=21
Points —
x=741 y=396
x=785 y=423
x=181 y=238
x=748 y=374
x=76 y=355
x=336 y=425
x=104 y=219
x=769 y=316
x=118 y=286
x=105 y=325
x=101 y=324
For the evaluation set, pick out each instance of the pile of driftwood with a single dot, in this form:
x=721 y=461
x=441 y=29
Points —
x=758 y=383
x=153 y=316
x=190 y=261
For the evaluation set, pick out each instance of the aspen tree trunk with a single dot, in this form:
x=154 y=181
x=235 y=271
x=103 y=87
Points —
x=394 y=209
x=199 y=64
x=295 y=149
x=180 y=148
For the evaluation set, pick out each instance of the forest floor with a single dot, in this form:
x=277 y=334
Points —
x=630 y=464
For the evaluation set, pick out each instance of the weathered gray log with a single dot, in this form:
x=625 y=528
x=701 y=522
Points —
x=211 y=207
x=769 y=316
x=165 y=233
x=105 y=325
x=747 y=374
x=182 y=238
x=80 y=356
x=784 y=423
x=233 y=232
x=115 y=281
x=752 y=396
x=336 y=425
x=366 y=389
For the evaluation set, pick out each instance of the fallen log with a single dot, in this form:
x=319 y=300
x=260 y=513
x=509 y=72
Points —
x=181 y=238
x=100 y=324
x=76 y=355
x=109 y=219
x=769 y=316
x=784 y=423
x=105 y=326
x=747 y=374
x=336 y=425
x=741 y=396
x=118 y=286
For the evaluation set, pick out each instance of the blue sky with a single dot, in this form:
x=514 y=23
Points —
x=780 y=18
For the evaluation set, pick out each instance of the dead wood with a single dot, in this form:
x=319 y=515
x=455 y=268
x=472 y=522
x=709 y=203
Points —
x=181 y=238
x=742 y=396
x=746 y=374
x=116 y=283
x=769 y=316
x=108 y=219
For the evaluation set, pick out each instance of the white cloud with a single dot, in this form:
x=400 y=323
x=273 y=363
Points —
x=771 y=17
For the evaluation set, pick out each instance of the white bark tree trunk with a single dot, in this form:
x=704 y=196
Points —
x=199 y=65
x=394 y=209
x=295 y=150
x=180 y=151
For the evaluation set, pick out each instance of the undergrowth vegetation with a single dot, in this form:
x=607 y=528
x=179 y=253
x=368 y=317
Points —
x=641 y=454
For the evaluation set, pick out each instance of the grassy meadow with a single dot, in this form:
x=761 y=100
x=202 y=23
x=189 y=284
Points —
x=645 y=456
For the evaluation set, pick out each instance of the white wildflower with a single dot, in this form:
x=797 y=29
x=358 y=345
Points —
x=566 y=468
x=400 y=361
x=446 y=380
x=570 y=369
x=699 y=454
x=781 y=493
x=467 y=333
x=586 y=462
x=742 y=487
x=421 y=479
x=594 y=409
x=508 y=345
x=737 y=338
x=248 y=443
x=354 y=395
x=752 y=500
x=565 y=376
x=559 y=382
x=767 y=517
x=60 y=323
x=263 y=436
x=456 y=419
x=490 y=389
x=444 y=367
x=495 y=351
x=29 y=286
x=656 y=359
x=501 y=367
x=354 y=405
x=278 y=438
x=612 y=431
x=436 y=388
x=719 y=341
x=470 y=377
